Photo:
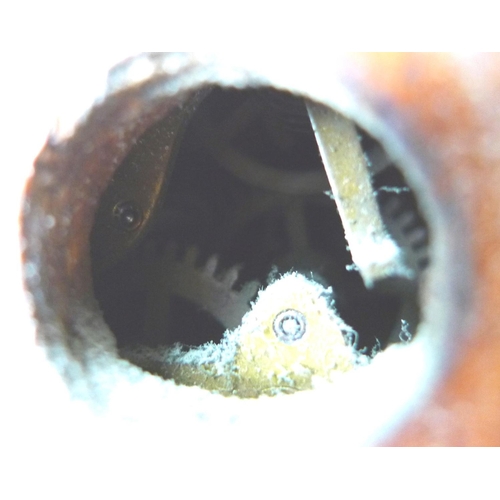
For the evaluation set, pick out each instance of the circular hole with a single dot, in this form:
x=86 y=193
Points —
x=79 y=290
x=247 y=200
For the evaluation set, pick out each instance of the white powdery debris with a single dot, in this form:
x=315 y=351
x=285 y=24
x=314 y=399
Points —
x=372 y=251
x=222 y=355
x=219 y=355
x=393 y=189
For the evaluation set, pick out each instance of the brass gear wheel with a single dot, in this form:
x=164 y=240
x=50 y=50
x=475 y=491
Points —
x=206 y=287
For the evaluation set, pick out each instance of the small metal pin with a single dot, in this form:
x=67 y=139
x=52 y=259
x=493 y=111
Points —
x=289 y=326
x=127 y=215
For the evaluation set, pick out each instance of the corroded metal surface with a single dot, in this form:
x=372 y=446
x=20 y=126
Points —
x=375 y=253
x=140 y=183
x=444 y=108
x=454 y=104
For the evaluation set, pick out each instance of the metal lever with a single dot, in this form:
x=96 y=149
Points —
x=128 y=206
x=374 y=252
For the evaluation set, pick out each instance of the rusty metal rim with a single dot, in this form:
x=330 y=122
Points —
x=71 y=174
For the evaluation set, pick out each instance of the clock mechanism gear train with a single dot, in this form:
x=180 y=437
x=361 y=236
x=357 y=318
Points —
x=248 y=201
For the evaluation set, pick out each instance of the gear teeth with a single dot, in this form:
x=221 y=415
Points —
x=423 y=262
x=378 y=159
x=230 y=276
x=249 y=291
x=211 y=265
x=170 y=274
x=417 y=237
x=407 y=221
x=392 y=207
x=408 y=231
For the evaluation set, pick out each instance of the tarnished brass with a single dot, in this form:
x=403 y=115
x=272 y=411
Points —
x=255 y=359
x=374 y=252
x=137 y=188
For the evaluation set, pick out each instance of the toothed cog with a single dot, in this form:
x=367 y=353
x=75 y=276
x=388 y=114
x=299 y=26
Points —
x=291 y=337
x=166 y=276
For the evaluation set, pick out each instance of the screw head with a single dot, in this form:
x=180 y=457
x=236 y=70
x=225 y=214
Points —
x=289 y=326
x=127 y=215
